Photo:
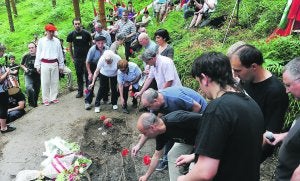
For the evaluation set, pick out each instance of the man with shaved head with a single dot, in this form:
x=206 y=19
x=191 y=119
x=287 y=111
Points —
x=178 y=126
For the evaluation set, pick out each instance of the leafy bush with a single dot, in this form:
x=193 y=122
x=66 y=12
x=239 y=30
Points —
x=269 y=18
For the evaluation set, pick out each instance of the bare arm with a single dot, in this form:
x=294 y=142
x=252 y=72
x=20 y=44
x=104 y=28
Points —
x=21 y=105
x=278 y=138
x=205 y=169
x=145 y=87
x=196 y=107
x=140 y=144
x=168 y=84
x=296 y=174
x=24 y=68
x=71 y=50
x=88 y=68
x=96 y=73
x=3 y=76
x=121 y=93
x=154 y=162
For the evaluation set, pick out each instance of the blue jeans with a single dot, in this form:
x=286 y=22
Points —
x=13 y=115
x=33 y=85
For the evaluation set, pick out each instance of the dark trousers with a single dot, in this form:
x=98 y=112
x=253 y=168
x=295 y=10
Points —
x=267 y=151
x=3 y=104
x=127 y=50
x=14 y=115
x=81 y=72
x=104 y=88
x=125 y=95
x=33 y=86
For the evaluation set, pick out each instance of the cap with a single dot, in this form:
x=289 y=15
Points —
x=50 y=27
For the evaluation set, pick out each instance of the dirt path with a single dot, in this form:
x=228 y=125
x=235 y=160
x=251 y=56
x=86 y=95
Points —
x=23 y=148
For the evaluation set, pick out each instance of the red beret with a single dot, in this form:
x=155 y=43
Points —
x=50 y=27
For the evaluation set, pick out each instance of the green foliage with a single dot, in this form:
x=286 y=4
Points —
x=270 y=17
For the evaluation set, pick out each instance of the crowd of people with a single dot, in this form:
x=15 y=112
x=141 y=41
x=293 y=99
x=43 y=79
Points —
x=226 y=138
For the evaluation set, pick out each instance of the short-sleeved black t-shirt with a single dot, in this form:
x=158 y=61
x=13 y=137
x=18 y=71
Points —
x=289 y=154
x=13 y=100
x=271 y=97
x=231 y=131
x=181 y=127
x=81 y=42
x=28 y=62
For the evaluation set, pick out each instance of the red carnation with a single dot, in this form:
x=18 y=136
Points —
x=108 y=125
x=102 y=118
x=125 y=152
x=147 y=160
x=132 y=94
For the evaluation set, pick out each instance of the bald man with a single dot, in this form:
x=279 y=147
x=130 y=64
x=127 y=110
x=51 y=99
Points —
x=178 y=126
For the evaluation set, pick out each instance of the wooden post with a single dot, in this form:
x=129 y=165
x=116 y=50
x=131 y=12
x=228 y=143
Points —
x=102 y=13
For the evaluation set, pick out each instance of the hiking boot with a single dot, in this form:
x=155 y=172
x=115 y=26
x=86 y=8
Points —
x=97 y=109
x=87 y=106
x=162 y=165
x=79 y=95
x=125 y=110
x=8 y=129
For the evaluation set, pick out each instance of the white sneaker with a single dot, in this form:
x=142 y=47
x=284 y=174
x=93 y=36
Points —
x=87 y=106
x=97 y=109
x=115 y=107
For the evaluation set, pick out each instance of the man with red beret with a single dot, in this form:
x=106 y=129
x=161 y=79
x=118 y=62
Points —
x=49 y=62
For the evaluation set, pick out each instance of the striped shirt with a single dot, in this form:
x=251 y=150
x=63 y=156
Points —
x=127 y=27
x=133 y=72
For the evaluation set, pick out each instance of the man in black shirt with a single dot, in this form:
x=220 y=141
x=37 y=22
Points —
x=178 y=126
x=80 y=41
x=16 y=106
x=32 y=77
x=228 y=143
x=263 y=87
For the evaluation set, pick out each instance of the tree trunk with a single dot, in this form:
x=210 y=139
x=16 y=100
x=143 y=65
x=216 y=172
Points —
x=102 y=13
x=10 y=19
x=76 y=8
x=14 y=8
x=53 y=3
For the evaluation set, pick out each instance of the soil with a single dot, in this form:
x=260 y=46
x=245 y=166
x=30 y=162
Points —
x=23 y=148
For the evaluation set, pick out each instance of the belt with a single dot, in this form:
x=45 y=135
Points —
x=49 y=61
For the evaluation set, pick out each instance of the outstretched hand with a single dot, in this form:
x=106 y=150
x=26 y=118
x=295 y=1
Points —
x=135 y=150
x=184 y=159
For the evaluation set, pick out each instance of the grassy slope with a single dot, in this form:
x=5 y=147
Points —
x=257 y=20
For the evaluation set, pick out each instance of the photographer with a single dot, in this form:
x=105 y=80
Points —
x=32 y=77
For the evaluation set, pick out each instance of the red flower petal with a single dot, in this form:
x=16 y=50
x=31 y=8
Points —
x=108 y=125
x=132 y=94
x=102 y=118
x=147 y=160
x=125 y=152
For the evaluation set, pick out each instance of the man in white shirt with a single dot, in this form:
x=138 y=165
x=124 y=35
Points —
x=49 y=62
x=162 y=69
